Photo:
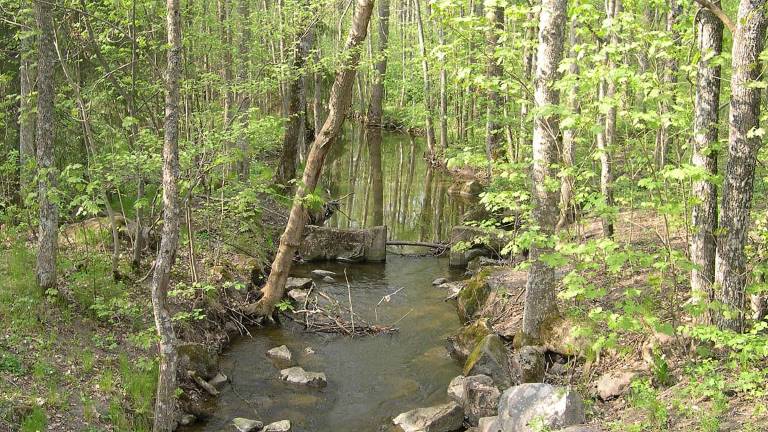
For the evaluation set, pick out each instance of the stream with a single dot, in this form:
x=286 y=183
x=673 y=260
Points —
x=371 y=379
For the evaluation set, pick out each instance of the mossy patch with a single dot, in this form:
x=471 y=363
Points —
x=469 y=336
x=472 y=298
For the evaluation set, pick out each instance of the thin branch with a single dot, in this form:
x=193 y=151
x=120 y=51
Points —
x=719 y=13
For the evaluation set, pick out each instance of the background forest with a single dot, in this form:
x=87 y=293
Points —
x=625 y=168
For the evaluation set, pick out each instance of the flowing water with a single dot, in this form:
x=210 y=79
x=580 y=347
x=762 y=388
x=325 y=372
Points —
x=370 y=379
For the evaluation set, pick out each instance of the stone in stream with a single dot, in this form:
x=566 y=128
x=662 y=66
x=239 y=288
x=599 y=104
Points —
x=282 y=353
x=297 y=375
x=543 y=404
x=219 y=380
x=187 y=419
x=328 y=279
x=439 y=281
x=441 y=418
x=298 y=295
x=453 y=288
x=318 y=273
x=297 y=283
x=490 y=358
x=246 y=425
x=279 y=426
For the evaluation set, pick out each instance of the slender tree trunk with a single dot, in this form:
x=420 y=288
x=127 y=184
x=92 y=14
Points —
x=317 y=91
x=340 y=100
x=226 y=68
x=425 y=76
x=569 y=136
x=607 y=136
x=165 y=401
x=244 y=11
x=705 y=126
x=443 y=97
x=664 y=138
x=528 y=51
x=493 y=130
x=49 y=211
x=377 y=92
x=26 y=114
x=286 y=169
x=743 y=145
x=540 y=293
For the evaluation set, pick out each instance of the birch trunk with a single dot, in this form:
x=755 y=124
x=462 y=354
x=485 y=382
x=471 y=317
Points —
x=743 y=145
x=540 y=295
x=705 y=128
x=165 y=401
x=340 y=99
x=49 y=211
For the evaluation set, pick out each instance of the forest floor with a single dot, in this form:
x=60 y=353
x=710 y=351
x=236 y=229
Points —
x=84 y=360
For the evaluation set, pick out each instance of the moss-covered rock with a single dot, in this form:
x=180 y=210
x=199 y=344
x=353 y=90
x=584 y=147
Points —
x=472 y=298
x=562 y=335
x=467 y=338
x=490 y=358
x=198 y=358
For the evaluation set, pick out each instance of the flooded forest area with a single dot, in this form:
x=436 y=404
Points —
x=383 y=216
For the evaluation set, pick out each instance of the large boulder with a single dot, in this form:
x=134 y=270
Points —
x=615 y=383
x=490 y=358
x=467 y=338
x=298 y=375
x=488 y=424
x=534 y=406
x=481 y=400
x=441 y=418
x=197 y=358
x=529 y=364
x=473 y=296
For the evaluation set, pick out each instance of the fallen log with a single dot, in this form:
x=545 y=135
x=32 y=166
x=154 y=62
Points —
x=416 y=243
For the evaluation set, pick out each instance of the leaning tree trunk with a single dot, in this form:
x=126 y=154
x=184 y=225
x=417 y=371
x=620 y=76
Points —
x=493 y=131
x=705 y=127
x=743 y=145
x=340 y=99
x=165 y=401
x=567 y=209
x=26 y=114
x=377 y=92
x=49 y=211
x=540 y=295
x=286 y=169
x=425 y=76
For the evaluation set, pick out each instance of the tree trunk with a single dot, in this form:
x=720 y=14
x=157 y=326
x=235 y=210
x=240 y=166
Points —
x=664 y=139
x=743 y=145
x=607 y=136
x=493 y=130
x=49 y=211
x=540 y=295
x=705 y=127
x=26 y=115
x=165 y=402
x=377 y=92
x=244 y=11
x=524 y=137
x=567 y=209
x=425 y=76
x=286 y=169
x=340 y=99
x=443 y=97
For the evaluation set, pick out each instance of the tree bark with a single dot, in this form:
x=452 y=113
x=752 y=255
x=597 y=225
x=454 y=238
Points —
x=540 y=295
x=286 y=169
x=569 y=136
x=427 y=86
x=705 y=131
x=743 y=145
x=244 y=11
x=339 y=102
x=664 y=139
x=374 y=117
x=493 y=130
x=607 y=136
x=165 y=401
x=26 y=115
x=47 y=175
x=528 y=52
x=443 y=97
